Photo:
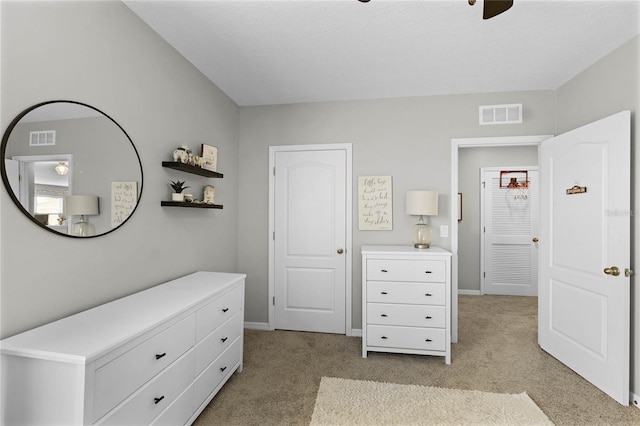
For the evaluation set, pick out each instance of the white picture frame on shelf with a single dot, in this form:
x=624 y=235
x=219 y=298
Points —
x=210 y=157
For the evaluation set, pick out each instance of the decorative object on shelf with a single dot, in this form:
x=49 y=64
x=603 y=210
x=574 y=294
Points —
x=375 y=203
x=81 y=205
x=124 y=198
x=61 y=169
x=188 y=198
x=209 y=194
x=178 y=187
x=422 y=203
x=209 y=157
x=182 y=154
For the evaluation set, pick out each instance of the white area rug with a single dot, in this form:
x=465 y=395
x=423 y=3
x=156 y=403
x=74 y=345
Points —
x=357 y=402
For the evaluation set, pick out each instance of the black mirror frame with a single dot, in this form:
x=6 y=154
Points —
x=5 y=179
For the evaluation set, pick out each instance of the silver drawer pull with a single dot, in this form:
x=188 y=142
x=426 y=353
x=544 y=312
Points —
x=383 y=292
x=383 y=270
x=427 y=340
x=158 y=356
x=428 y=294
x=383 y=315
x=427 y=317
x=156 y=400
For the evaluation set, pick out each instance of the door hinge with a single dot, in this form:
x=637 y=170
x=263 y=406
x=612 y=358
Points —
x=484 y=229
x=274 y=235
x=484 y=275
x=483 y=185
x=274 y=170
x=274 y=301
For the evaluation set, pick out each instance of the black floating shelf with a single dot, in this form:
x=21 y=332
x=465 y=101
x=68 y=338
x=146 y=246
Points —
x=192 y=205
x=196 y=170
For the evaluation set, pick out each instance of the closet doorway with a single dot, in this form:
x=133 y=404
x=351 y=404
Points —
x=469 y=225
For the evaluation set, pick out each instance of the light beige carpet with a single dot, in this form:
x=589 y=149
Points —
x=364 y=402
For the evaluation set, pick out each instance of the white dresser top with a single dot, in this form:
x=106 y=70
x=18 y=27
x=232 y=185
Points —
x=115 y=320
x=384 y=249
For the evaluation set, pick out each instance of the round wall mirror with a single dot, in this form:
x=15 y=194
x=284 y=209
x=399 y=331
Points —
x=71 y=169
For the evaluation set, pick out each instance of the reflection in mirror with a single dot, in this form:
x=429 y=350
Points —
x=71 y=169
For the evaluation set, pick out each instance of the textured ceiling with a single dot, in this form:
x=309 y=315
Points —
x=275 y=52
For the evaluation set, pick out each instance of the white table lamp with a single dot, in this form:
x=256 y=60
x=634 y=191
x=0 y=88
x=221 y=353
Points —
x=422 y=203
x=81 y=205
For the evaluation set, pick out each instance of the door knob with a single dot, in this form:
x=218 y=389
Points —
x=535 y=239
x=614 y=270
x=340 y=251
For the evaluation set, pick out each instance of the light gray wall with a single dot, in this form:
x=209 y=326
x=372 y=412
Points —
x=470 y=160
x=409 y=139
x=101 y=54
x=609 y=86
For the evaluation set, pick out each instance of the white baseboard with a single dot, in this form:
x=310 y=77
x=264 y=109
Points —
x=355 y=332
x=256 y=325
x=635 y=399
x=469 y=292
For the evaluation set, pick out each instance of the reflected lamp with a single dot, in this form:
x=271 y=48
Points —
x=81 y=205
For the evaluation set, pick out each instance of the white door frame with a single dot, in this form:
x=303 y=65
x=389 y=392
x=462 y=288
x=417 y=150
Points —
x=347 y=147
x=458 y=143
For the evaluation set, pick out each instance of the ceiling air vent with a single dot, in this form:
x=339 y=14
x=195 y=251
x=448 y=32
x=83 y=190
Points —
x=42 y=138
x=500 y=114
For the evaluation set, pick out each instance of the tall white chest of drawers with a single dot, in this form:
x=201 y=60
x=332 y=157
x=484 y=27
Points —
x=155 y=357
x=406 y=300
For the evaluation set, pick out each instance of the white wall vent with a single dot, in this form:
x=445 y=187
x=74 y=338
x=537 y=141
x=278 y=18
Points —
x=42 y=138
x=500 y=114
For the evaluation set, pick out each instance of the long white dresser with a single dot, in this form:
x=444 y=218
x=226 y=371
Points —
x=155 y=357
x=406 y=300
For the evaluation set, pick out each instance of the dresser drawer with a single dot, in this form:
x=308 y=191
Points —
x=213 y=345
x=179 y=412
x=217 y=312
x=217 y=371
x=122 y=376
x=408 y=315
x=406 y=270
x=155 y=396
x=432 y=339
x=409 y=293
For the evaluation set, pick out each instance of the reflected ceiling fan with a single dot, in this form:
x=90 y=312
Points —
x=491 y=7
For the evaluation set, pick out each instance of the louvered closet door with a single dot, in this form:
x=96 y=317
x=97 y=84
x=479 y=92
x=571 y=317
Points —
x=509 y=227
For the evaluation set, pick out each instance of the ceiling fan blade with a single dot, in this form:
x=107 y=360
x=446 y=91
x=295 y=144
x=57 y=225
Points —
x=495 y=7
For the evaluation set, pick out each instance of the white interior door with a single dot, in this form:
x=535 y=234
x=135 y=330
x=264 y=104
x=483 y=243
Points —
x=509 y=226
x=310 y=240
x=584 y=252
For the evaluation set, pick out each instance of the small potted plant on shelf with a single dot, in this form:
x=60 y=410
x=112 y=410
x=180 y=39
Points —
x=178 y=187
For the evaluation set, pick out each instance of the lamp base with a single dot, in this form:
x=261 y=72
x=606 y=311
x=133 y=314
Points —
x=421 y=234
x=83 y=228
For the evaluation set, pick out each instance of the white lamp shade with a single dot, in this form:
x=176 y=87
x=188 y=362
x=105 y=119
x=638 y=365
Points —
x=422 y=203
x=75 y=205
